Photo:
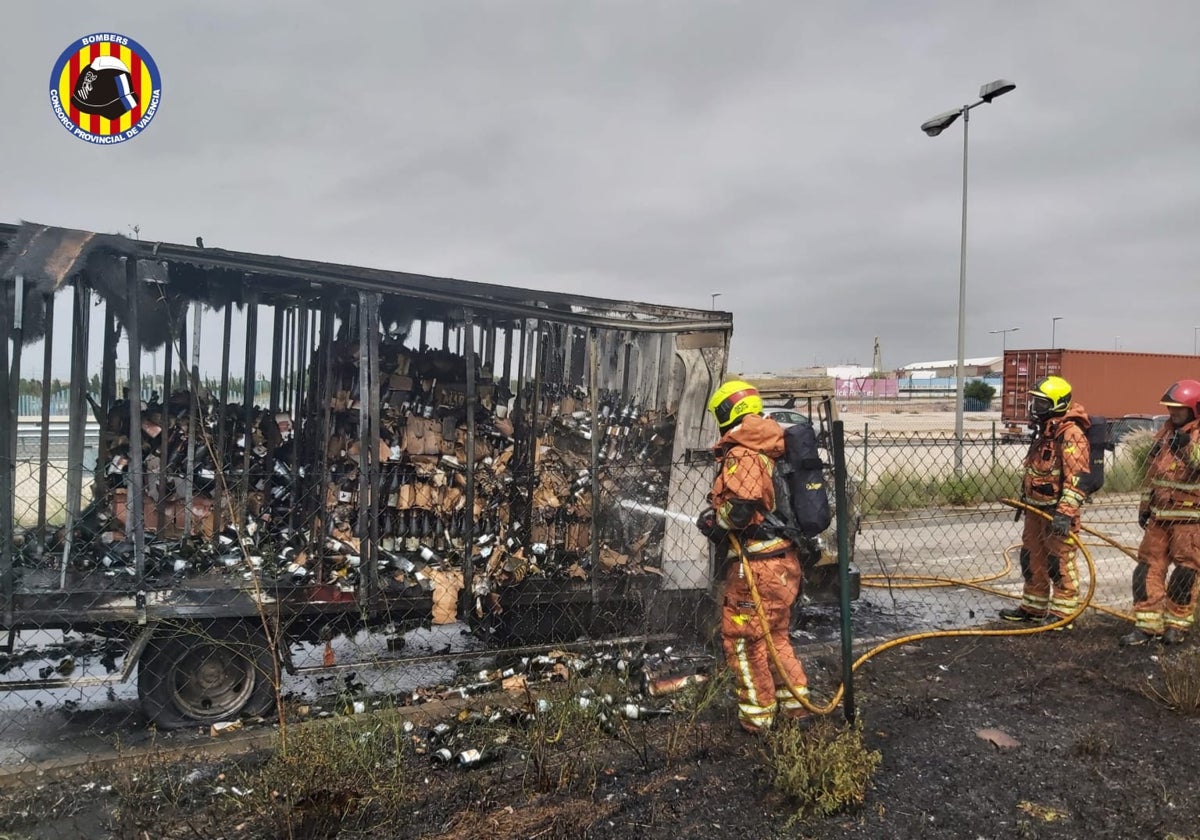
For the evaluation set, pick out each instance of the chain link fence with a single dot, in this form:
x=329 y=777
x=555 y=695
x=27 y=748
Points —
x=252 y=605
x=938 y=545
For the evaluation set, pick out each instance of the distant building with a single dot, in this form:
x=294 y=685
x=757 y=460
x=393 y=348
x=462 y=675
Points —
x=972 y=368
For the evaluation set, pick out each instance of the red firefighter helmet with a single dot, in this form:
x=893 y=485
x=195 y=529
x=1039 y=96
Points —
x=1184 y=394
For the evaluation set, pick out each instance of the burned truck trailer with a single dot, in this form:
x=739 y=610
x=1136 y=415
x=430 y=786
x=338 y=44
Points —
x=391 y=450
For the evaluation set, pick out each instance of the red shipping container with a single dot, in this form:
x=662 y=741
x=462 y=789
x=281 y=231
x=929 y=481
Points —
x=1111 y=384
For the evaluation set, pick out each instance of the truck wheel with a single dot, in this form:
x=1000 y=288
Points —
x=196 y=676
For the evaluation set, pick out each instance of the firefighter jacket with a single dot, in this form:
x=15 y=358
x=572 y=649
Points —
x=1058 y=459
x=747 y=456
x=1172 y=491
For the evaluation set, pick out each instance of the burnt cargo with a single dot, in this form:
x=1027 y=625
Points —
x=300 y=450
x=1111 y=384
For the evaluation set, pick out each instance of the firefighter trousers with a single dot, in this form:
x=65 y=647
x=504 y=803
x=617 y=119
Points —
x=1048 y=566
x=1157 y=603
x=761 y=689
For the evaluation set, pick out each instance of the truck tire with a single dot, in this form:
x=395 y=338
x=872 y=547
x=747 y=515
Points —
x=194 y=676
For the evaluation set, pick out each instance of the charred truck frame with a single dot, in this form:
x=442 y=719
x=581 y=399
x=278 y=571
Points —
x=423 y=450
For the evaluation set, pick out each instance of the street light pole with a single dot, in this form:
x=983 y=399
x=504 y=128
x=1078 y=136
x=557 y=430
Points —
x=960 y=380
x=933 y=127
x=1054 y=323
x=1194 y=346
x=1003 y=338
x=714 y=297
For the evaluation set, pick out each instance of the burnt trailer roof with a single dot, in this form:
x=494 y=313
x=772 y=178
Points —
x=49 y=257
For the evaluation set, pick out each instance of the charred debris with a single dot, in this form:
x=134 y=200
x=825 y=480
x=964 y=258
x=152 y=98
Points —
x=413 y=433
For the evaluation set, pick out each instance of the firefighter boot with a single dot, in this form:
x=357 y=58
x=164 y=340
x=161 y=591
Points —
x=1019 y=614
x=1174 y=636
x=1137 y=636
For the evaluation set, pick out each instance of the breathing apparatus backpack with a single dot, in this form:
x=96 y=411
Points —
x=802 y=508
x=1098 y=444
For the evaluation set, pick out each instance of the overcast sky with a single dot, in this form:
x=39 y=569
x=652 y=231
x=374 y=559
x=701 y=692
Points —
x=665 y=151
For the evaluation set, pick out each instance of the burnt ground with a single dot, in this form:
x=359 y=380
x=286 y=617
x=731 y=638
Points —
x=1098 y=757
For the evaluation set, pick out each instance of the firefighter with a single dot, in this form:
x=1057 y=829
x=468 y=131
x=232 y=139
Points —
x=742 y=494
x=1056 y=468
x=1169 y=512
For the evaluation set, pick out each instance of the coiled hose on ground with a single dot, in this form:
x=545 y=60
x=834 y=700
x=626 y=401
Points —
x=923 y=581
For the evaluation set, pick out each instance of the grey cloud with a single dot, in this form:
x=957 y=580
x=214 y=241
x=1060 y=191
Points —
x=664 y=151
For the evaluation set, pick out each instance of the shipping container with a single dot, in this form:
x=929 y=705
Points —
x=422 y=450
x=1110 y=384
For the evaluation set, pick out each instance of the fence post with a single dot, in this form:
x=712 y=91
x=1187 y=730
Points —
x=866 y=427
x=993 y=444
x=843 y=540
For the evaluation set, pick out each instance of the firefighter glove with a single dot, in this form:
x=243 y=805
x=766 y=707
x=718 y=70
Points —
x=1060 y=524
x=1143 y=519
x=1179 y=441
x=707 y=523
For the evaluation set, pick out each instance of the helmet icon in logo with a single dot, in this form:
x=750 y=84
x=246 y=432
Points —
x=104 y=88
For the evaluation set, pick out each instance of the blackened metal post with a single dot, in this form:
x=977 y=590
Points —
x=248 y=388
x=108 y=389
x=277 y=353
x=324 y=407
x=371 y=556
x=80 y=323
x=136 y=522
x=44 y=449
x=300 y=347
x=472 y=401
x=8 y=419
x=221 y=490
x=164 y=435
x=14 y=381
x=506 y=377
x=594 y=410
x=193 y=420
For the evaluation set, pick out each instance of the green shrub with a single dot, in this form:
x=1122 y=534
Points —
x=824 y=769
x=977 y=389
x=961 y=490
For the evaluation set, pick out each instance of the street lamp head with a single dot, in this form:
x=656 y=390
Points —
x=935 y=126
x=991 y=90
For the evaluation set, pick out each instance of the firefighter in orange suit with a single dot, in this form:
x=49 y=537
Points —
x=1170 y=514
x=1056 y=470
x=741 y=496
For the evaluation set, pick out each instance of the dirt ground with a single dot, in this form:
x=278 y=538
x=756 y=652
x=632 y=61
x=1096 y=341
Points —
x=1098 y=757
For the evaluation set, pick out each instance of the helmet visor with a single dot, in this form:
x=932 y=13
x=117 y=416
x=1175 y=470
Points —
x=1040 y=406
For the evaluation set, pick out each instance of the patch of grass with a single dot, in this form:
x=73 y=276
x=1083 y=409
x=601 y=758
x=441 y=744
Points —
x=824 y=769
x=899 y=490
x=904 y=490
x=1091 y=744
x=342 y=772
x=1181 y=683
x=687 y=736
x=561 y=743
x=151 y=789
x=961 y=490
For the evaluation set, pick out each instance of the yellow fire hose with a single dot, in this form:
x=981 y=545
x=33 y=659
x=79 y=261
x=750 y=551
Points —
x=975 y=583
